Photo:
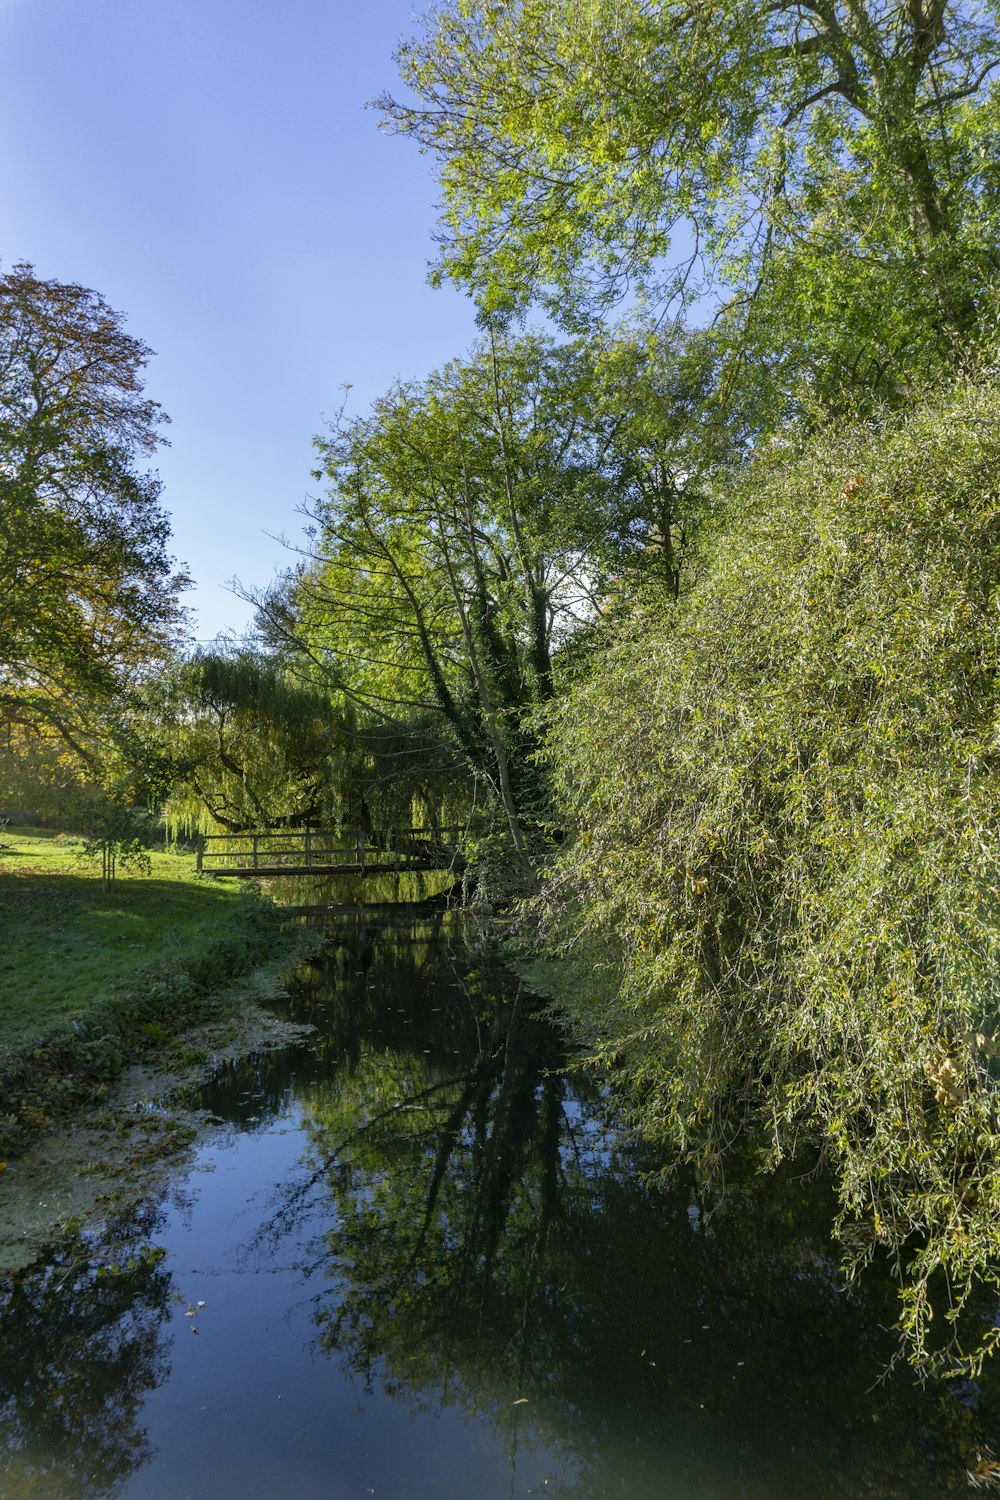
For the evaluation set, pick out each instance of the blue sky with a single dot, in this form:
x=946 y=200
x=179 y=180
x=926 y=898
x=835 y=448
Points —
x=209 y=167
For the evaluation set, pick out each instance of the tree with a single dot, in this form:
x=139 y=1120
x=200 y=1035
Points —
x=253 y=746
x=834 y=163
x=469 y=524
x=783 y=867
x=477 y=524
x=672 y=429
x=87 y=592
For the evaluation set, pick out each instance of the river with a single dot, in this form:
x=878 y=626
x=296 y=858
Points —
x=416 y=1257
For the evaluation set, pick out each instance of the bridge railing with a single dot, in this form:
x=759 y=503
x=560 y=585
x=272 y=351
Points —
x=275 y=850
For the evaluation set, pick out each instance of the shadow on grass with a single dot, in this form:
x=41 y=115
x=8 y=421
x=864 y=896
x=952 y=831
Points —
x=138 y=894
x=87 y=977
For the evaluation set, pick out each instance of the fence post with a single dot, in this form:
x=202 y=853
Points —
x=255 y=851
x=198 y=862
x=361 y=848
x=309 y=852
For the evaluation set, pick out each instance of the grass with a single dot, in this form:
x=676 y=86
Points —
x=68 y=945
x=89 y=976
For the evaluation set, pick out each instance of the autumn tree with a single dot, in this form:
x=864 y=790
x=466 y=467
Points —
x=87 y=592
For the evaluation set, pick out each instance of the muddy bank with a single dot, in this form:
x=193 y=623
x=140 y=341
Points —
x=99 y=1163
x=51 y=1077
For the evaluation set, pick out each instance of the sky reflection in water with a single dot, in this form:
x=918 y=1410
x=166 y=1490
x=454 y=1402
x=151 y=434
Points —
x=430 y=1268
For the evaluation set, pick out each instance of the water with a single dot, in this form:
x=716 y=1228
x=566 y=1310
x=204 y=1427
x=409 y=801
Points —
x=416 y=1259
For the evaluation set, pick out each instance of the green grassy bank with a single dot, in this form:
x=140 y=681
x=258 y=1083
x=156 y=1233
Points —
x=89 y=978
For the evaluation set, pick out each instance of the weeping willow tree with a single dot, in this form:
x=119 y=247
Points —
x=255 y=745
x=784 y=873
x=396 y=768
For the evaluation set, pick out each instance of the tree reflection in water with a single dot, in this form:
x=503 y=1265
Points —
x=82 y=1345
x=497 y=1246
x=490 y=1244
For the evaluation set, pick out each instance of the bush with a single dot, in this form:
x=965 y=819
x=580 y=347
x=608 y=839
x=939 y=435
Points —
x=785 y=870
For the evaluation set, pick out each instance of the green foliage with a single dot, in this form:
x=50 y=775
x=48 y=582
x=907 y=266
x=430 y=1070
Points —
x=830 y=169
x=784 y=868
x=87 y=597
x=118 y=834
x=252 y=745
x=477 y=523
x=452 y=552
x=671 y=423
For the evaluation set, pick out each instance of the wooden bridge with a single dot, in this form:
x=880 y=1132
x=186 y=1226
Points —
x=314 y=851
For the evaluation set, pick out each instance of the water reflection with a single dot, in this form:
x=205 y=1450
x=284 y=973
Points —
x=81 y=1343
x=434 y=1268
x=496 y=1248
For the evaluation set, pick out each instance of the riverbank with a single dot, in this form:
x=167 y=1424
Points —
x=91 y=979
x=121 y=1145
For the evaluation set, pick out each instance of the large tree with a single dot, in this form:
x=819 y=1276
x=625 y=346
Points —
x=782 y=888
x=475 y=522
x=832 y=164
x=87 y=591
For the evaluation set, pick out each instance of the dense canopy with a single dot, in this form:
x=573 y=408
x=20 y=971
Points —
x=87 y=591
x=829 y=168
x=785 y=874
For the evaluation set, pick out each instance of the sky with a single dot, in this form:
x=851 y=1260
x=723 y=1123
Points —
x=210 y=168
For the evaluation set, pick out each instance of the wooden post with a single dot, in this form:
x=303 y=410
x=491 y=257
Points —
x=361 y=848
x=309 y=852
x=255 y=851
x=198 y=862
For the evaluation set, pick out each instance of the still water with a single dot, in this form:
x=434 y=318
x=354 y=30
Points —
x=416 y=1259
